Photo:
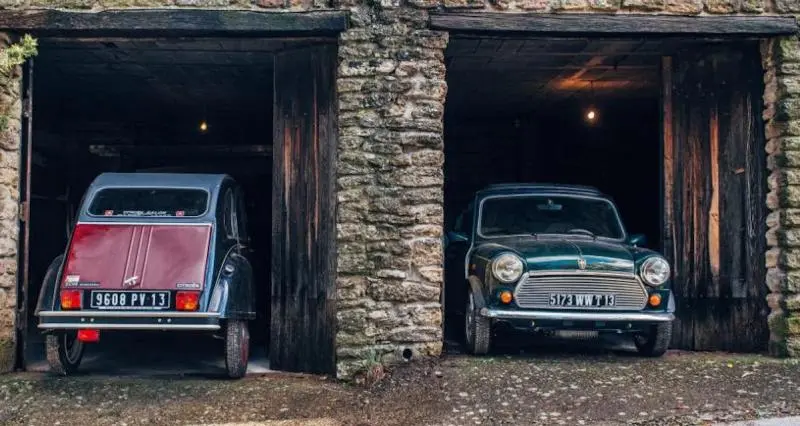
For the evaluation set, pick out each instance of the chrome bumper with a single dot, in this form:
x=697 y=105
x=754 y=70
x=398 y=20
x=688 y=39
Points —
x=127 y=320
x=577 y=316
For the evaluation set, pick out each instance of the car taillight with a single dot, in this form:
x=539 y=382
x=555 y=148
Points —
x=71 y=299
x=187 y=300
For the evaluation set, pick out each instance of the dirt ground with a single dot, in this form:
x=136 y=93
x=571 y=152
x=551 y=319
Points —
x=561 y=388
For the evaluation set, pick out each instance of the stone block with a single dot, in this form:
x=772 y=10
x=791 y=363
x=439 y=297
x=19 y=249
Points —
x=722 y=6
x=404 y=291
x=643 y=5
x=6 y=353
x=416 y=334
x=569 y=5
x=605 y=5
x=683 y=7
x=784 y=6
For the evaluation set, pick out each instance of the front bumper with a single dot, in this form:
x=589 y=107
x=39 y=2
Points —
x=129 y=320
x=508 y=314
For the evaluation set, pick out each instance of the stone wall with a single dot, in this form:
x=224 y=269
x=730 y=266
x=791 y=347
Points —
x=10 y=133
x=781 y=60
x=391 y=99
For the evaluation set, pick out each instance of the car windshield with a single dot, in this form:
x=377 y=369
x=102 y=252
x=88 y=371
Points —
x=534 y=215
x=149 y=202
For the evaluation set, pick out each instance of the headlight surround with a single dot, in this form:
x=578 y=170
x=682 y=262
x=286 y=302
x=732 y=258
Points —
x=507 y=268
x=654 y=271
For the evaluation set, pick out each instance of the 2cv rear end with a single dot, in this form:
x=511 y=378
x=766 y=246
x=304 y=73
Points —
x=151 y=251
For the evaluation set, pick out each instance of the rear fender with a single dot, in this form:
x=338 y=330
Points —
x=233 y=295
x=47 y=294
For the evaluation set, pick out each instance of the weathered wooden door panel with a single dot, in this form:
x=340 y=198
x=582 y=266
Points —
x=23 y=248
x=303 y=317
x=714 y=198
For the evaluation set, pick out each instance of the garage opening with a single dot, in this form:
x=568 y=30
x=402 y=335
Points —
x=657 y=124
x=185 y=105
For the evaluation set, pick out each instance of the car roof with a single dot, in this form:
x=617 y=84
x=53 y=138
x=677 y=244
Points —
x=549 y=188
x=209 y=182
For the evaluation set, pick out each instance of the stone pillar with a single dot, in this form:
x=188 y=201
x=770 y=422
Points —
x=10 y=135
x=781 y=60
x=391 y=88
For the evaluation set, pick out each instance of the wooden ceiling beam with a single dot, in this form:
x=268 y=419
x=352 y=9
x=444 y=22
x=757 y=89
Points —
x=588 y=25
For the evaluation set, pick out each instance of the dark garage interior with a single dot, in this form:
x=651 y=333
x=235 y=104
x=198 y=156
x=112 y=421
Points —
x=669 y=128
x=163 y=105
x=572 y=111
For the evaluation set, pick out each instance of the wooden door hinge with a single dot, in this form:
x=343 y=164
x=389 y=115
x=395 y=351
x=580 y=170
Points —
x=24 y=213
x=27 y=107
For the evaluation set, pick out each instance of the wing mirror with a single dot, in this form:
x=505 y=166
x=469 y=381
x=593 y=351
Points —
x=637 y=239
x=456 y=237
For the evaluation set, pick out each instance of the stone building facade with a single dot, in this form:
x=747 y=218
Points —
x=392 y=89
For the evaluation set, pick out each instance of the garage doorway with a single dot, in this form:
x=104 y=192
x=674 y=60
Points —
x=190 y=105
x=667 y=127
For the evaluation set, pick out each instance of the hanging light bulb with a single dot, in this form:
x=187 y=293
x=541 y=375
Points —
x=203 y=126
x=591 y=113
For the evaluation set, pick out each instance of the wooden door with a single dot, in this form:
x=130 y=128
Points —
x=23 y=248
x=303 y=299
x=714 y=197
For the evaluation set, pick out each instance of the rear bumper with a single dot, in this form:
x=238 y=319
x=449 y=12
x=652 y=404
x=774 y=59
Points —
x=121 y=320
x=508 y=314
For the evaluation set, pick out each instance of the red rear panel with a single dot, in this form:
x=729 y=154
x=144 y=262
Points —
x=137 y=257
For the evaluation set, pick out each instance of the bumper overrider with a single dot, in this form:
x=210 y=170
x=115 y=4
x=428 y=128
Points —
x=510 y=314
x=127 y=320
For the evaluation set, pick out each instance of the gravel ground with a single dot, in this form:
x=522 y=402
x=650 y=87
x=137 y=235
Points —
x=566 y=388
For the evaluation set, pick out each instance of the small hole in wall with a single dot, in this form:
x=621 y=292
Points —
x=407 y=354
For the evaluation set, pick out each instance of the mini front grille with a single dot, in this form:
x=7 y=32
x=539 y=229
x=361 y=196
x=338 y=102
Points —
x=534 y=291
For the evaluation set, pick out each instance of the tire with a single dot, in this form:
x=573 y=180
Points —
x=655 y=342
x=237 y=348
x=64 y=352
x=477 y=329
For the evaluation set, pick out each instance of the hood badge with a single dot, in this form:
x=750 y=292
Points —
x=581 y=263
x=131 y=282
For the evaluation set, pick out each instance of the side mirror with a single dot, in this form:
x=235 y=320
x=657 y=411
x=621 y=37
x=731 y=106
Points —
x=456 y=237
x=637 y=239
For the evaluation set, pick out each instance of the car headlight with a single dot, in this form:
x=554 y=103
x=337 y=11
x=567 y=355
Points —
x=655 y=271
x=507 y=267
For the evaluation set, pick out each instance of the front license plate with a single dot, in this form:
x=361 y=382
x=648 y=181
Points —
x=151 y=300
x=577 y=300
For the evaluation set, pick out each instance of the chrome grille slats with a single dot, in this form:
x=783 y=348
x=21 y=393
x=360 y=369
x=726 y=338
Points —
x=534 y=289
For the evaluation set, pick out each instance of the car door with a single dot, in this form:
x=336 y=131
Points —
x=456 y=245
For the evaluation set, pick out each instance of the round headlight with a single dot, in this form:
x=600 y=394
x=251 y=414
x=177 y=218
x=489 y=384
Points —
x=507 y=267
x=655 y=271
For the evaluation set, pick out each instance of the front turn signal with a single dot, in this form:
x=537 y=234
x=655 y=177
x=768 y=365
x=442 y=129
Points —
x=505 y=297
x=654 y=300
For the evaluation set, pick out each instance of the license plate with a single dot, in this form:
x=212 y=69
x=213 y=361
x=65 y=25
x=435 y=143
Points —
x=578 y=300
x=151 y=300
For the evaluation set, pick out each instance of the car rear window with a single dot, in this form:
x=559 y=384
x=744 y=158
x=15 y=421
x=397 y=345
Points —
x=149 y=202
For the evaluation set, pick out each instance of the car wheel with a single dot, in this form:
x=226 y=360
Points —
x=64 y=352
x=237 y=348
x=477 y=329
x=655 y=341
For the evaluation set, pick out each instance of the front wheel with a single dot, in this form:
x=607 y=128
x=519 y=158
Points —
x=237 y=348
x=64 y=352
x=655 y=341
x=477 y=329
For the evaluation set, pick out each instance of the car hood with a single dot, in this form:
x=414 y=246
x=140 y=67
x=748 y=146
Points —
x=542 y=254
